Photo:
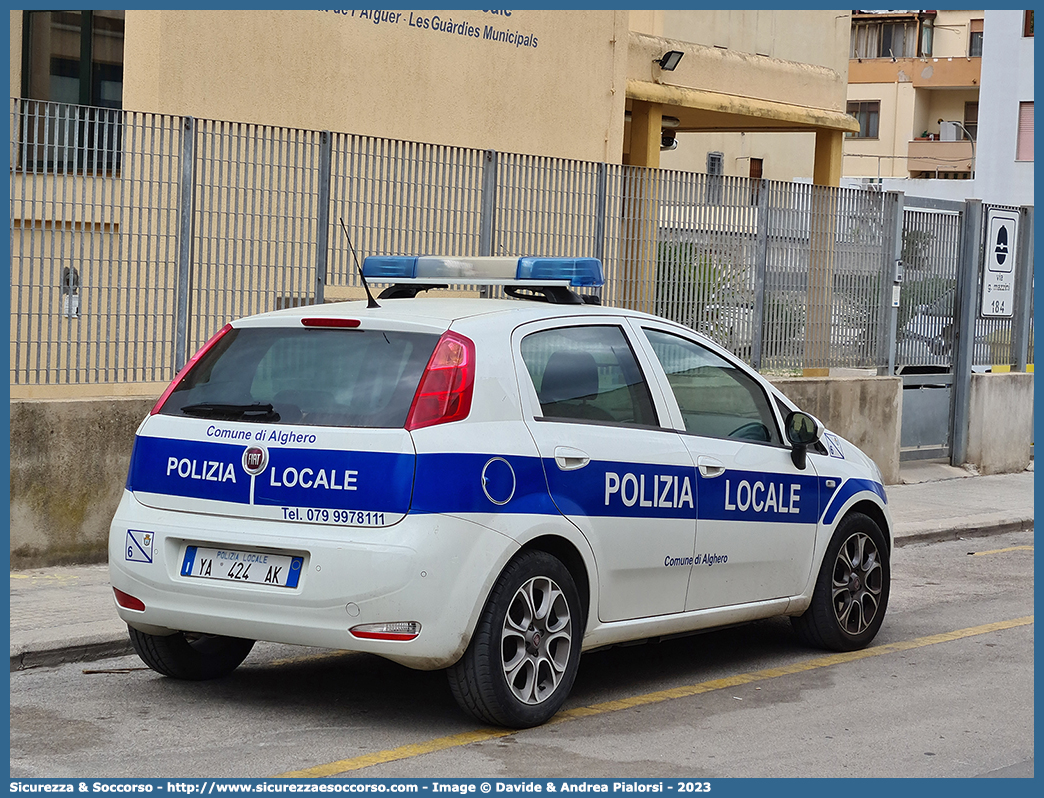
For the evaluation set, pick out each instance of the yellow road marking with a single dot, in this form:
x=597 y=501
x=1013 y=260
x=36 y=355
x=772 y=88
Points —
x=54 y=577
x=482 y=735
x=1002 y=551
x=403 y=752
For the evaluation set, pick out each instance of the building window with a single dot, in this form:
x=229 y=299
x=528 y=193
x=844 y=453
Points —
x=1027 y=24
x=867 y=114
x=715 y=170
x=971 y=121
x=927 y=38
x=894 y=39
x=74 y=57
x=757 y=170
x=975 y=39
x=72 y=89
x=1024 y=145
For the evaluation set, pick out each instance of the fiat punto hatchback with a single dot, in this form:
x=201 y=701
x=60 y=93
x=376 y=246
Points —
x=485 y=486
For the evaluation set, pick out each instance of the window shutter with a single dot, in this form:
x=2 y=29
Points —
x=1024 y=147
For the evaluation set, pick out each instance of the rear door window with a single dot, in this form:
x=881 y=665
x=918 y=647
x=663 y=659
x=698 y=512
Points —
x=320 y=377
x=587 y=373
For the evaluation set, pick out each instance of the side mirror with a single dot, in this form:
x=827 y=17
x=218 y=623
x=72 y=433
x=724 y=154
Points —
x=802 y=431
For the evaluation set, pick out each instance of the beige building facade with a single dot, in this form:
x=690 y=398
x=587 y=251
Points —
x=763 y=85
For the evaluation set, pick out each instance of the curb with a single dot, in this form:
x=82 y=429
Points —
x=971 y=531
x=62 y=655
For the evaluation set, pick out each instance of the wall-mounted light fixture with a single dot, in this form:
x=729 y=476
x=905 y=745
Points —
x=670 y=60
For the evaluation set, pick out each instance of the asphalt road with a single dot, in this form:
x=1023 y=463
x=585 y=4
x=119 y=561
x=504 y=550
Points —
x=946 y=690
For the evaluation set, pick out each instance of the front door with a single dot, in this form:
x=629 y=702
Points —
x=757 y=512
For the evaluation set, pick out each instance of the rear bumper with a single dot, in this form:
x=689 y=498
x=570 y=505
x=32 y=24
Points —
x=433 y=569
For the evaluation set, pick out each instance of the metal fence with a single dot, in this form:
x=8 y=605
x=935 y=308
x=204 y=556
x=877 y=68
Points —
x=135 y=236
x=927 y=319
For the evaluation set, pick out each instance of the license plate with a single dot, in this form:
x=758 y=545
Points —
x=247 y=567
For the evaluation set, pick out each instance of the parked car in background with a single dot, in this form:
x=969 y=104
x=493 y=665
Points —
x=929 y=336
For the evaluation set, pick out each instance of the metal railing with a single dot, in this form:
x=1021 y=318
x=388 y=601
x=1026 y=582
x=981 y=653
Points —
x=135 y=236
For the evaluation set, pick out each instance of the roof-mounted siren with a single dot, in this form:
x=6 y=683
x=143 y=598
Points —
x=543 y=279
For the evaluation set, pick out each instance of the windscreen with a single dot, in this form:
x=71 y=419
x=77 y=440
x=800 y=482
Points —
x=320 y=377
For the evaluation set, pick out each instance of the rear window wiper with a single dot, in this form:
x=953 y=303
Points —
x=232 y=412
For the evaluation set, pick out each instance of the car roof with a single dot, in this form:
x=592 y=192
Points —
x=439 y=311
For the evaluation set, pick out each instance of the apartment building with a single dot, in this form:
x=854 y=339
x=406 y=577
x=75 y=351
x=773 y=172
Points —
x=913 y=85
x=944 y=102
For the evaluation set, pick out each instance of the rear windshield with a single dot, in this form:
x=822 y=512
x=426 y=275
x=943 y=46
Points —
x=322 y=377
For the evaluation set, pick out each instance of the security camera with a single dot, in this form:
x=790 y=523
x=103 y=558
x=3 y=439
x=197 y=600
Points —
x=668 y=140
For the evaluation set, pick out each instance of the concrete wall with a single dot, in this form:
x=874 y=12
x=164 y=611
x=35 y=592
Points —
x=864 y=410
x=68 y=467
x=784 y=156
x=1001 y=425
x=818 y=36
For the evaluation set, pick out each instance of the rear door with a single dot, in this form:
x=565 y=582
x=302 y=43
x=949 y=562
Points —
x=626 y=482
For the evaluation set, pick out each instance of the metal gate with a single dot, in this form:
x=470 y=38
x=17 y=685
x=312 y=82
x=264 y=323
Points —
x=926 y=324
x=942 y=334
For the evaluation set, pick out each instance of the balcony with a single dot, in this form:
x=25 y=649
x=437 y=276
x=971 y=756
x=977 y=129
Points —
x=956 y=72
x=939 y=156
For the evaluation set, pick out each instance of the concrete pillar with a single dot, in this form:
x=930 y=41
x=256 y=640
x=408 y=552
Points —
x=826 y=172
x=826 y=168
x=646 y=130
x=641 y=209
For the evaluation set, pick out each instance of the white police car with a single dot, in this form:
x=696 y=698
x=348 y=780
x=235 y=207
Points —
x=489 y=486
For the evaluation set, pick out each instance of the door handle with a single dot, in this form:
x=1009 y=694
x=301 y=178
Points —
x=569 y=459
x=710 y=467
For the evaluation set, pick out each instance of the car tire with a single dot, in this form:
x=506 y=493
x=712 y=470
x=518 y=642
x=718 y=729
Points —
x=851 y=593
x=194 y=657
x=520 y=665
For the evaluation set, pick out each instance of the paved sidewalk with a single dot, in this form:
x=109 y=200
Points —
x=66 y=614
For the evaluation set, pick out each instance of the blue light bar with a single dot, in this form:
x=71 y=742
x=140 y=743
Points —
x=391 y=268
x=580 y=272
x=577 y=272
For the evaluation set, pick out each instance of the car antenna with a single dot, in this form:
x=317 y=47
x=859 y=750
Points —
x=372 y=302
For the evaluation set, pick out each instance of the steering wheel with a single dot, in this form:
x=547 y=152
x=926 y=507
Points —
x=754 y=431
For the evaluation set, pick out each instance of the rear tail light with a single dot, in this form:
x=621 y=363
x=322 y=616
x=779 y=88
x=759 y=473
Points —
x=128 y=601
x=188 y=367
x=393 y=630
x=445 y=389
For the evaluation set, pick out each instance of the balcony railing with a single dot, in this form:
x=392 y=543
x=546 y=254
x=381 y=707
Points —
x=939 y=156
